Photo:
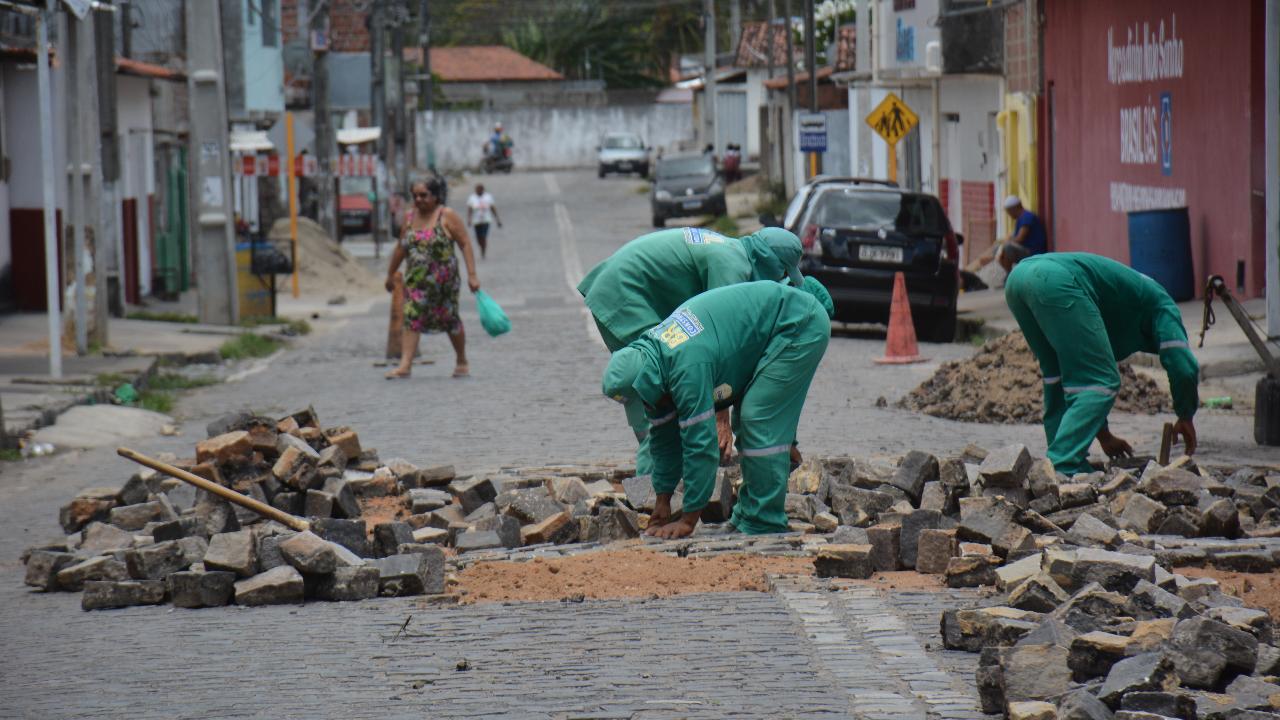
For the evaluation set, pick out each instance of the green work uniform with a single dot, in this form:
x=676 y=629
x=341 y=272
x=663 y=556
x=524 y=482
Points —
x=647 y=279
x=1082 y=313
x=753 y=346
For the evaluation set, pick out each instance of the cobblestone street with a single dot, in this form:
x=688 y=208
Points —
x=800 y=651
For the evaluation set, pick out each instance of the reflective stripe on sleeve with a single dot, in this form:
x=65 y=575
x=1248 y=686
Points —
x=761 y=452
x=1088 y=388
x=697 y=418
x=663 y=420
x=1174 y=344
x=1053 y=380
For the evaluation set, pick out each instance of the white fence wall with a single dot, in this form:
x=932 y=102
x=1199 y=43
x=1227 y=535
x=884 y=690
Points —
x=550 y=137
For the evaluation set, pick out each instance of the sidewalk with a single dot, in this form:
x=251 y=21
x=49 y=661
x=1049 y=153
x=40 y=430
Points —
x=1226 y=352
x=31 y=399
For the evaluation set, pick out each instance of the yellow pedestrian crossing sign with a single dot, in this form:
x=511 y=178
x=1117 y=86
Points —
x=892 y=119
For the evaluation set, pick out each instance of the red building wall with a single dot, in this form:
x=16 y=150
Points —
x=1109 y=141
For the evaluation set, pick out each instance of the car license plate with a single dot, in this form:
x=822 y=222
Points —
x=880 y=253
x=624 y=165
x=691 y=204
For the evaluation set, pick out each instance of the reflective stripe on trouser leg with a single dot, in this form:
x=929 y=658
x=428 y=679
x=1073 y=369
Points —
x=640 y=426
x=767 y=420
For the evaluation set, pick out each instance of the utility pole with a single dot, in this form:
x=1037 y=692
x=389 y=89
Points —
x=398 y=113
x=1272 y=122
x=79 y=195
x=210 y=176
x=322 y=122
x=378 y=102
x=424 y=83
x=709 y=79
x=773 y=20
x=811 y=66
x=53 y=290
x=791 y=64
x=108 y=138
x=735 y=24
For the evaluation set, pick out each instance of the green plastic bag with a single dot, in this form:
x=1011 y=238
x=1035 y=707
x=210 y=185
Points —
x=492 y=317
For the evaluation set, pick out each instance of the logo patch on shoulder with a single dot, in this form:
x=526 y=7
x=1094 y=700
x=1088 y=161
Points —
x=678 y=328
x=698 y=236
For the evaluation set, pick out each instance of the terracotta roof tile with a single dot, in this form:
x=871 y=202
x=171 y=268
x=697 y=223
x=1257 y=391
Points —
x=755 y=45
x=487 y=63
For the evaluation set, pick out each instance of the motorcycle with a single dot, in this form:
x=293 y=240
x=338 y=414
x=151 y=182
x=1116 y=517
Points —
x=494 y=162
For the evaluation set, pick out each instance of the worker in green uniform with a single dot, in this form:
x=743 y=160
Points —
x=1081 y=313
x=647 y=279
x=753 y=347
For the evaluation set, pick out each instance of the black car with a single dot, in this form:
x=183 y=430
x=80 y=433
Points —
x=857 y=234
x=686 y=185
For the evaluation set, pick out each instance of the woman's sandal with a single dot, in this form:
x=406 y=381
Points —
x=462 y=371
x=396 y=375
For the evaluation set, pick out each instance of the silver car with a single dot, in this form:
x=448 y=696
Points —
x=622 y=153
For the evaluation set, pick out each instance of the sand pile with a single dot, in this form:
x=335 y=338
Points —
x=323 y=265
x=1002 y=384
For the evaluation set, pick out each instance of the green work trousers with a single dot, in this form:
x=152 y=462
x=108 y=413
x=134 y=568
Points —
x=765 y=424
x=1065 y=331
x=636 y=417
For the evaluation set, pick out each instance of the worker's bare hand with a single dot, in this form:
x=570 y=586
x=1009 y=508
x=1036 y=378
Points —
x=1113 y=446
x=473 y=282
x=390 y=285
x=683 y=527
x=1186 y=430
x=724 y=433
x=661 y=514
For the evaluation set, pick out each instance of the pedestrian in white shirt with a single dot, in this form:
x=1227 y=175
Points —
x=480 y=212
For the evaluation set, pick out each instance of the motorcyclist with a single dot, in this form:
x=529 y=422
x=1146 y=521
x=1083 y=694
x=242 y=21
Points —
x=499 y=142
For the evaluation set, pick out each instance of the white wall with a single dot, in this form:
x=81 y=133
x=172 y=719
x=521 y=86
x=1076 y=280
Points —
x=550 y=137
x=909 y=30
x=973 y=98
x=22 y=137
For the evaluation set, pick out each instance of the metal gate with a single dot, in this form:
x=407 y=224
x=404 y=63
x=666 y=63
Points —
x=731 y=119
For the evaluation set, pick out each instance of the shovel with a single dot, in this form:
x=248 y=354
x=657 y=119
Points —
x=228 y=494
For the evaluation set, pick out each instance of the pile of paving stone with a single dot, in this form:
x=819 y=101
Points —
x=376 y=529
x=1001 y=383
x=1090 y=623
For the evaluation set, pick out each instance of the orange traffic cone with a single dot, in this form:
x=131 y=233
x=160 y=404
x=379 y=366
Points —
x=900 y=346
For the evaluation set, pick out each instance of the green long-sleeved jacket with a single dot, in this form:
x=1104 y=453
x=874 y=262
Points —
x=1139 y=316
x=647 y=279
x=701 y=358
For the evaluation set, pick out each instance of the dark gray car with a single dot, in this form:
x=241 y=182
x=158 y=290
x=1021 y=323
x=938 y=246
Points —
x=686 y=185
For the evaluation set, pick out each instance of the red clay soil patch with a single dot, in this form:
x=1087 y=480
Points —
x=620 y=574
x=376 y=510
x=1259 y=590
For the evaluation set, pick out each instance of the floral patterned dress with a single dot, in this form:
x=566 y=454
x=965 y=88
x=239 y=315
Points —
x=431 y=280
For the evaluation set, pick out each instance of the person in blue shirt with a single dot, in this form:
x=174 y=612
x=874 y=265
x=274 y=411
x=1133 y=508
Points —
x=1028 y=234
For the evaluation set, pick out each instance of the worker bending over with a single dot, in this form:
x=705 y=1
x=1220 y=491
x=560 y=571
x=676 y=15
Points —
x=649 y=277
x=753 y=347
x=1082 y=313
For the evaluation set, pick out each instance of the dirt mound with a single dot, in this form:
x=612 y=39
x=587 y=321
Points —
x=620 y=574
x=323 y=265
x=1002 y=384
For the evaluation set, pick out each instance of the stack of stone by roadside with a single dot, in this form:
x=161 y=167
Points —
x=1090 y=623
x=375 y=528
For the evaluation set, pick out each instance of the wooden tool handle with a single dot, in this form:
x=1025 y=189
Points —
x=1166 y=444
x=230 y=495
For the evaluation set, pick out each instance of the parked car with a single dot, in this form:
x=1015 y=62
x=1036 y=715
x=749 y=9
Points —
x=622 y=153
x=355 y=209
x=857 y=234
x=686 y=185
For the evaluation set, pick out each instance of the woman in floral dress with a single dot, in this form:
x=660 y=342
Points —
x=433 y=236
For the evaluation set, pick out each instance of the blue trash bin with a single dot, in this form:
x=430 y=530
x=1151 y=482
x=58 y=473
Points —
x=1160 y=246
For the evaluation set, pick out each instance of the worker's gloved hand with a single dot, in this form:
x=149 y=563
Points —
x=390 y=284
x=1185 y=429
x=1113 y=446
x=724 y=433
